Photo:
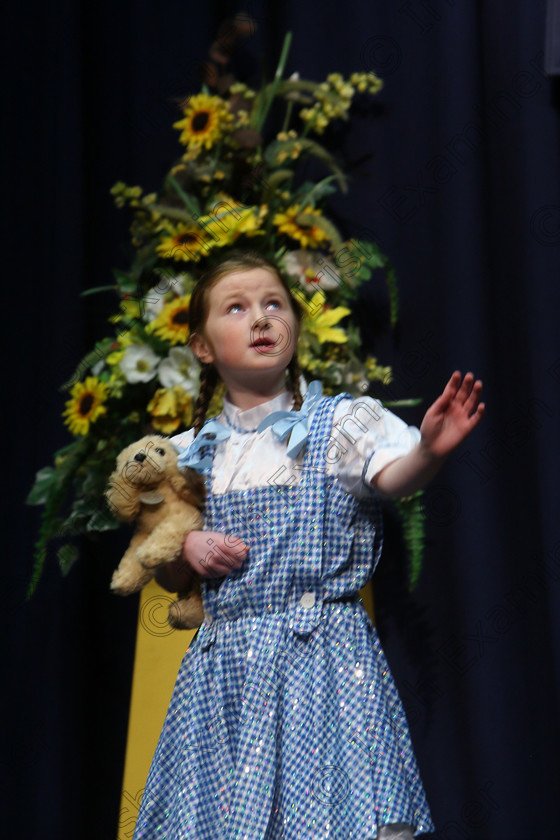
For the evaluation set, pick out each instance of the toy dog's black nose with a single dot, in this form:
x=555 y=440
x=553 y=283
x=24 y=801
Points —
x=140 y=457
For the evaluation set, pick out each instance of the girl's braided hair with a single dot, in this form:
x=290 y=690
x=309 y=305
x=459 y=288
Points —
x=198 y=313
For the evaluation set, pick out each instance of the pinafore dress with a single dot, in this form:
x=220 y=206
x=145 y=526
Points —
x=285 y=722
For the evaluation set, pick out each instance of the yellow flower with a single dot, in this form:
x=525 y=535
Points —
x=228 y=220
x=242 y=118
x=308 y=235
x=366 y=81
x=286 y=135
x=169 y=408
x=122 y=193
x=119 y=346
x=293 y=151
x=172 y=323
x=377 y=371
x=250 y=221
x=184 y=242
x=319 y=319
x=130 y=309
x=240 y=87
x=205 y=119
x=86 y=405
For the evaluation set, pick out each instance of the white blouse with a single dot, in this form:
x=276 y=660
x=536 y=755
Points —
x=365 y=437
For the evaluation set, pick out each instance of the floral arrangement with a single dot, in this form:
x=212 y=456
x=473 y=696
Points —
x=233 y=185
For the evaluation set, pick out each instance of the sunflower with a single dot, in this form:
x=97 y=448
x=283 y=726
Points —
x=187 y=242
x=250 y=221
x=310 y=235
x=86 y=405
x=204 y=121
x=172 y=323
x=169 y=408
x=226 y=226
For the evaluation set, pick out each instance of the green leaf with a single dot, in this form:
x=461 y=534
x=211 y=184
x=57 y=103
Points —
x=321 y=153
x=369 y=253
x=302 y=87
x=102 y=349
x=391 y=280
x=273 y=181
x=315 y=345
x=185 y=216
x=127 y=285
x=372 y=257
x=51 y=525
x=190 y=201
x=270 y=92
x=402 y=403
x=67 y=556
x=77 y=517
x=413 y=517
x=275 y=149
x=98 y=289
x=310 y=193
x=102 y=520
x=46 y=480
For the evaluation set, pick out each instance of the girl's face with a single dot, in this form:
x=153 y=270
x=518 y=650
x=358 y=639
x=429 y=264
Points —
x=251 y=331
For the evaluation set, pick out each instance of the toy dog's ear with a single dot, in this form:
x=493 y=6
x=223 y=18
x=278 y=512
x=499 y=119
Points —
x=189 y=486
x=122 y=498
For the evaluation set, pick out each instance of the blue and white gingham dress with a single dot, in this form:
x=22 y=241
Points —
x=285 y=722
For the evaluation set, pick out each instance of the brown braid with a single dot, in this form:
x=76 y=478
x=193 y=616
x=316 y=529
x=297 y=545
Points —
x=294 y=373
x=208 y=381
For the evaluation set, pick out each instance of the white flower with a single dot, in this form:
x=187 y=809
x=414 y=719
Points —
x=181 y=367
x=312 y=271
x=162 y=293
x=139 y=363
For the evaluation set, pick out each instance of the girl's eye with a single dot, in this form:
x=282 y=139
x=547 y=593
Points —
x=274 y=304
x=234 y=307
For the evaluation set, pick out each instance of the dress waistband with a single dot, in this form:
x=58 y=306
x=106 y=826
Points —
x=302 y=617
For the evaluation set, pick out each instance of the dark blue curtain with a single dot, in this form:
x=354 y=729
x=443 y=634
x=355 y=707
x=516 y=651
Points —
x=455 y=172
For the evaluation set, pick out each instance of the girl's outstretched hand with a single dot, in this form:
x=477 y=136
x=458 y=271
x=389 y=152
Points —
x=453 y=415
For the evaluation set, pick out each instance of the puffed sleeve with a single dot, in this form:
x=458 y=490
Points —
x=365 y=437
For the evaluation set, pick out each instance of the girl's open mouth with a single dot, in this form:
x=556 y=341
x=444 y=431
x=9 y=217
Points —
x=263 y=343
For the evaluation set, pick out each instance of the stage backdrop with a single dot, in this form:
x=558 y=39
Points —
x=456 y=174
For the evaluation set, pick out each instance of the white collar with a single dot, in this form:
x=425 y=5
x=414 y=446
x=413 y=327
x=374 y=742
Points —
x=247 y=420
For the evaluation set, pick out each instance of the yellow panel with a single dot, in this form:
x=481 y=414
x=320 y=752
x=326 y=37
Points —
x=366 y=594
x=159 y=652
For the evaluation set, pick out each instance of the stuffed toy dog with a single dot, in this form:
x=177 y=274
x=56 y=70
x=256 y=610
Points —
x=148 y=488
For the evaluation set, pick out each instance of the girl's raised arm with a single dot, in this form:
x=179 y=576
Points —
x=448 y=421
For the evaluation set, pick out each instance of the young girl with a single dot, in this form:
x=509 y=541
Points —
x=285 y=722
